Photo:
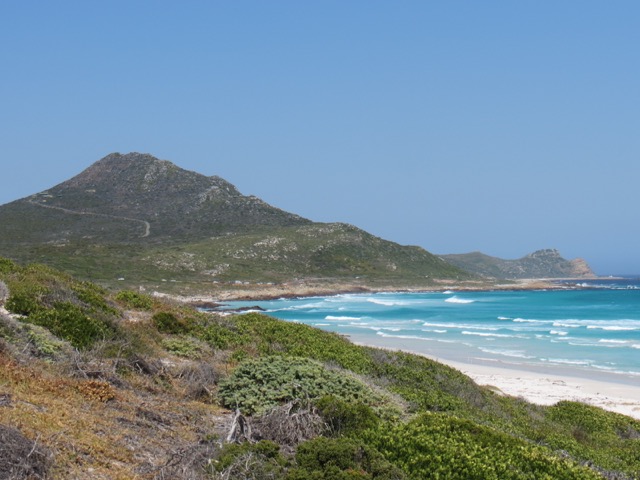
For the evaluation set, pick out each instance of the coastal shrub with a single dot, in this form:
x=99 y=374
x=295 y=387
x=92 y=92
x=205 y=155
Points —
x=425 y=383
x=182 y=347
x=69 y=322
x=93 y=297
x=44 y=342
x=343 y=417
x=219 y=336
x=24 y=298
x=341 y=459
x=441 y=446
x=610 y=440
x=7 y=328
x=134 y=300
x=275 y=337
x=250 y=461
x=167 y=322
x=72 y=310
x=262 y=383
x=7 y=266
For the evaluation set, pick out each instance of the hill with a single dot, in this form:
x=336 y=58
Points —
x=120 y=385
x=539 y=264
x=147 y=221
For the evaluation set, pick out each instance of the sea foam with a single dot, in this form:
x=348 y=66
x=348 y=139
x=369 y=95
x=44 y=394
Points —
x=455 y=299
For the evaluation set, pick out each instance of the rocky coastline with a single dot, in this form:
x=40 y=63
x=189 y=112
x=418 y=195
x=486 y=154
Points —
x=249 y=291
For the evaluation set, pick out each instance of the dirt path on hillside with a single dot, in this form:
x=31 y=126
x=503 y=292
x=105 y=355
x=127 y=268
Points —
x=147 y=225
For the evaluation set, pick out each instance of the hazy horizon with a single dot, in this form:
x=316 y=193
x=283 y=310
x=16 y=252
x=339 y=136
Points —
x=496 y=127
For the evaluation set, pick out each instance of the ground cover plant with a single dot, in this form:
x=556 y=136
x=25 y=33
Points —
x=110 y=384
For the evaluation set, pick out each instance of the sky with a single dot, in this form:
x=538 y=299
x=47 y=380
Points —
x=495 y=126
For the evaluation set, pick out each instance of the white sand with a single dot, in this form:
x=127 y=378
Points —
x=547 y=389
x=534 y=386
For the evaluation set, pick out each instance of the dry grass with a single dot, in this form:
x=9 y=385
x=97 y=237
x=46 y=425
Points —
x=97 y=431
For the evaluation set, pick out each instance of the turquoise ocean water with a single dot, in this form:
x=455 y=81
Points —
x=592 y=329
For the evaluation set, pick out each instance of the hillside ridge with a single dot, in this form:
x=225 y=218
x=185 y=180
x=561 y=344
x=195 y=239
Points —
x=140 y=187
x=149 y=222
x=545 y=263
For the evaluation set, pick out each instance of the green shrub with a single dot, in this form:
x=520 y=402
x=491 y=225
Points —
x=275 y=337
x=262 y=383
x=167 y=322
x=219 y=336
x=93 y=296
x=341 y=459
x=608 y=439
x=7 y=266
x=182 y=347
x=24 y=298
x=441 y=446
x=344 y=417
x=131 y=299
x=45 y=343
x=68 y=321
x=258 y=461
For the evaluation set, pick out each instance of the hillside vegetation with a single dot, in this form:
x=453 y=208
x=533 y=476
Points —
x=121 y=385
x=546 y=263
x=142 y=221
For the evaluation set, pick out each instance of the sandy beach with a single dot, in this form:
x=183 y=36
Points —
x=545 y=388
x=548 y=389
x=617 y=393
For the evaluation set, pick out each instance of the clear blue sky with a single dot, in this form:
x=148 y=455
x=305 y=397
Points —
x=499 y=126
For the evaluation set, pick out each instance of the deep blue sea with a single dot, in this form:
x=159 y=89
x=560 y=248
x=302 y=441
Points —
x=590 y=328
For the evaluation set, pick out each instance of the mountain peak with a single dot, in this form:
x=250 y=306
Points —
x=549 y=253
x=142 y=172
x=173 y=201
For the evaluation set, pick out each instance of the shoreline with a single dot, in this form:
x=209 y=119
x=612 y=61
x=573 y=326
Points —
x=249 y=292
x=613 y=392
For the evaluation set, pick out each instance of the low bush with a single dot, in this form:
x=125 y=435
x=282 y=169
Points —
x=24 y=298
x=134 y=300
x=441 y=446
x=275 y=337
x=249 y=461
x=344 y=417
x=7 y=266
x=44 y=342
x=341 y=459
x=97 y=390
x=182 y=347
x=93 y=297
x=74 y=311
x=220 y=336
x=168 y=322
x=262 y=383
x=199 y=379
x=69 y=322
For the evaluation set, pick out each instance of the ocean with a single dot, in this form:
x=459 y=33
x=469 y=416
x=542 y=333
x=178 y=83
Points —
x=590 y=329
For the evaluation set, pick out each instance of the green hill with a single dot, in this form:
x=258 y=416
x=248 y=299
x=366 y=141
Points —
x=97 y=384
x=546 y=263
x=148 y=221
